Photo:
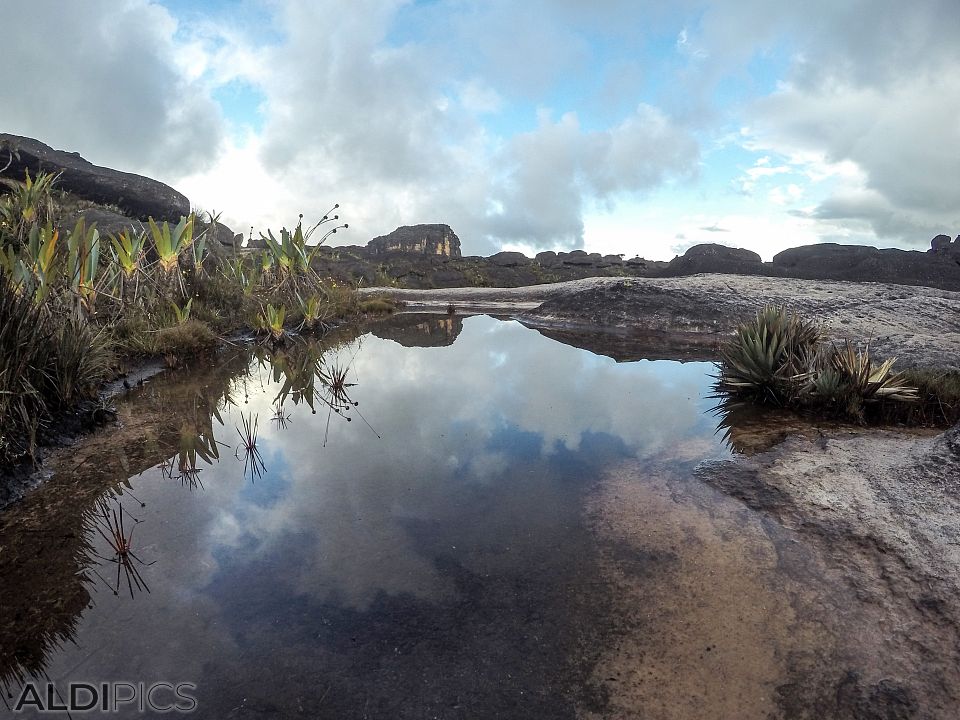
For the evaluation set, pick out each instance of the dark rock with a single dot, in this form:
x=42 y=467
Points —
x=418 y=330
x=580 y=258
x=714 y=258
x=509 y=259
x=220 y=233
x=940 y=243
x=137 y=196
x=860 y=263
x=435 y=239
x=952 y=439
x=613 y=259
x=547 y=258
x=108 y=222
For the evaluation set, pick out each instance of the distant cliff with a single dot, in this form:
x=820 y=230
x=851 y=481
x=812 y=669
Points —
x=436 y=239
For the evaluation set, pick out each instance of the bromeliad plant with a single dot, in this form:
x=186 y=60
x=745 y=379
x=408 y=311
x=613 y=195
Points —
x=779 y=358
x=171 y=242
x=27 y=205
x=271 y=320
x=83 y=261
x=290 y=255
x=315 y=313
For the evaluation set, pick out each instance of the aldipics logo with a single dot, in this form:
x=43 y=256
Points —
x=80 y=697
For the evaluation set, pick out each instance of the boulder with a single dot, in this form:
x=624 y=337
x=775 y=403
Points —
x=613 y=260
x=433 y=239
x=509 y=259
x=714 y=258
x=579 y=258
x=108 y=222
x=548 y=258
x=137 y=196
x=940 y=243
x=220 y=233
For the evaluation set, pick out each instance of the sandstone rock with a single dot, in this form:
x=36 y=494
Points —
x=220 y=233
x=548 y=258
x=715 y=258
x=613 y=259
x=435 y=239
x=509 y=259
x=137 y=196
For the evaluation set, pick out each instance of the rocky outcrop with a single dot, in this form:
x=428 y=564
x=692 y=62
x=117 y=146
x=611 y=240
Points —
x=108 y=222
x=509 y=259
x=138 y=196
x=861 y=263
x=942 y=245
x=436 y=239
x=717 y=259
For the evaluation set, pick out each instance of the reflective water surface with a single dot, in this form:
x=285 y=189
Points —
x=409 y=538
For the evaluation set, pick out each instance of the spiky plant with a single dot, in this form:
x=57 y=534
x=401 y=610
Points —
x=83 y=262
x=768 y=356
x=171 y=242
x=28 y=203
x=847 y=377
x=25 y=381
x=271 y=320
x=80 y=361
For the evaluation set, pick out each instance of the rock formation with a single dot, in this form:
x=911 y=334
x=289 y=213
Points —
x=138 y=196
x=715 y=258
x=436 y=239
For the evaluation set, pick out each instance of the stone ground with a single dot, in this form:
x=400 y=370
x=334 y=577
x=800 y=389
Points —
x=921 y=326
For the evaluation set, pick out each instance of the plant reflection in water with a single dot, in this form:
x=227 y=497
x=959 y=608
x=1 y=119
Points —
x=108 y=522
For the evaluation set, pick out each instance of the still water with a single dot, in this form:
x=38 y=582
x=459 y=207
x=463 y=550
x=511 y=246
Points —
x=411 y=544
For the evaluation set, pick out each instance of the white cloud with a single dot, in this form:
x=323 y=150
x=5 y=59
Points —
x=109 y=80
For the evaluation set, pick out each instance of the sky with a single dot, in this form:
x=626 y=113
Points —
x=616 y=126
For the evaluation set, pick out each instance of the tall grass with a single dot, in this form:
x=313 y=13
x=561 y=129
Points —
x=47 y=363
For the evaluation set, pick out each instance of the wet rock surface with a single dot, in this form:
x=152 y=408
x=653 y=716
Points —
x=920 y=326
x=879 y=513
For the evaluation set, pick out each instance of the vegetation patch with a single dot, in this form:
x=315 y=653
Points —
x=72 y=299
x=377 y=306
x=779 y=358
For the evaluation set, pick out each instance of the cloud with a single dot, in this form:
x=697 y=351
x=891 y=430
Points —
x=105 y=79
x=390 y=130
x=897 y=137
x=540 y=202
